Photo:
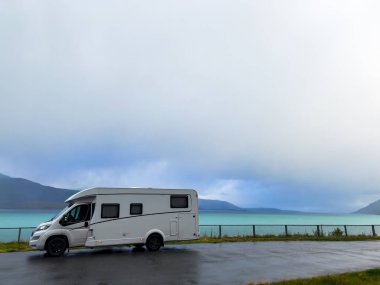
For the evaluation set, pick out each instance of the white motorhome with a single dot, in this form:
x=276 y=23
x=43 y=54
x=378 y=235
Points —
x=120 y=216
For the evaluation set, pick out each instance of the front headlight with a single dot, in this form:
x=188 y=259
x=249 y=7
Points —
x=42 y=228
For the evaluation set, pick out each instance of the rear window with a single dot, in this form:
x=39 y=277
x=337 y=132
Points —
x=110 y=211
x=179 y=201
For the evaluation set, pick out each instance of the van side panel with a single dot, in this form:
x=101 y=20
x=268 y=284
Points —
x=157 y=216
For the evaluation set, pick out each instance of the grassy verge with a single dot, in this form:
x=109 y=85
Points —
x=14 y=246
x=23 y=246
x=368 y=277
x=205 y=239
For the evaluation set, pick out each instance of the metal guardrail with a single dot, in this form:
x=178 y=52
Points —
x=23 y=233
x=288 y=230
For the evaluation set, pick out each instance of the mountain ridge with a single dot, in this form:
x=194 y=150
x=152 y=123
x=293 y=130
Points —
x=20 y=193
x=372 y=208
x=210 y=205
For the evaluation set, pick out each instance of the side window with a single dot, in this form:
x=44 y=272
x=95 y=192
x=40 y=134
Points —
x=110 y=211
x=136 y=209
x=179 y=201
x=90 y=213
x=78 y=214
x=92 y=209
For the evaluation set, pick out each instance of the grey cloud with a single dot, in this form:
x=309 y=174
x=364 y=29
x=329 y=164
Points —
x=268 y=91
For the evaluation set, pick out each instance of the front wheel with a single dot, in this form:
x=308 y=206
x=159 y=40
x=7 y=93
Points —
x=56 y=246
x=154 y=242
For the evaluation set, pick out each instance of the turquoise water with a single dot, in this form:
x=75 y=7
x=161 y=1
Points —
x=21 y=218
x=240 y=223
x=234 y=223
x=31 y=218
x=24 y=218
x=248 y=218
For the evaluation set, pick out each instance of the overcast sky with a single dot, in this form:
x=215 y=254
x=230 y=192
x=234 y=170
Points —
x=260 y=103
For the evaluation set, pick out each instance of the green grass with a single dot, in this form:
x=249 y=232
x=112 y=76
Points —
x=23 y=246
x=14 y=246
x=205 y=239
x=368 y=277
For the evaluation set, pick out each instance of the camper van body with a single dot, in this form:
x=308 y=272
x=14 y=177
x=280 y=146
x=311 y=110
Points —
x=120 y=216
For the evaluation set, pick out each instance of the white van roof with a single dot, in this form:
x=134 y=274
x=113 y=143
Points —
x=115 y=191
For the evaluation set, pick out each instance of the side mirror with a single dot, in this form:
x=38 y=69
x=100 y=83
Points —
x=63 y=221
x=86 y=224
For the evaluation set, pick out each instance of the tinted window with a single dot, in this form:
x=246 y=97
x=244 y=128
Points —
x=78 y=214
x=136 y=209
x=110 y=211
x=90 y=213
x=179 y=201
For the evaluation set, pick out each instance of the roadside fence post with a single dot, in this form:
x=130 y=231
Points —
x=254 y=230
x=286 y=230
x=318 y=232
x=345 y=230
x=19 y=235
x=373 y=231
x=220 y=231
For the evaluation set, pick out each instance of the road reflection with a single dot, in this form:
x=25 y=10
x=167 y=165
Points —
x=170 y=265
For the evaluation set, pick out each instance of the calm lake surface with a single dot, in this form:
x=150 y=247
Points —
x=31 y=218
x=266 y=223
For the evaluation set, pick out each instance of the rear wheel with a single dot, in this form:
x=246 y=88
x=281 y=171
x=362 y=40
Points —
x=153 y=242
x=56 y=246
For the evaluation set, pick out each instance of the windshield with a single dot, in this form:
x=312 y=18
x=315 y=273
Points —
x=60 y=213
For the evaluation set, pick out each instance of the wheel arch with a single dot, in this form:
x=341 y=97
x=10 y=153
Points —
x=55 y=236
x=153 y=232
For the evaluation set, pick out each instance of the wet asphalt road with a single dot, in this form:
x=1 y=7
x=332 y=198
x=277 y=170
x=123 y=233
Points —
x=226 y=263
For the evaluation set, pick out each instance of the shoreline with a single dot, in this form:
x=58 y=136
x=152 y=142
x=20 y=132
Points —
x=23 y=246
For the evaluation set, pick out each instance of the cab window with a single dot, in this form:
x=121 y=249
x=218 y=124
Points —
x=80 y=213
x=90 y=213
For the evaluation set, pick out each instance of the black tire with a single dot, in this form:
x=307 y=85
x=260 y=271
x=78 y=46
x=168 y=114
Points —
x=153 y=242
x=56 y=246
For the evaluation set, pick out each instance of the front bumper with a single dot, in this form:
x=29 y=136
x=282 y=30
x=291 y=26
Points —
x=36 y=240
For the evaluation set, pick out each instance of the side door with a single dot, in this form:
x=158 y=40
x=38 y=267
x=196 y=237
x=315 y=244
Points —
x=187 y=224
x=76 y=221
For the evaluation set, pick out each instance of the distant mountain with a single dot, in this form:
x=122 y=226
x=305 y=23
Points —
x=2 y=176
x=217 y=205
x=19 y=193
x=271 y=211
x=373 y=208
x=205 y=204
